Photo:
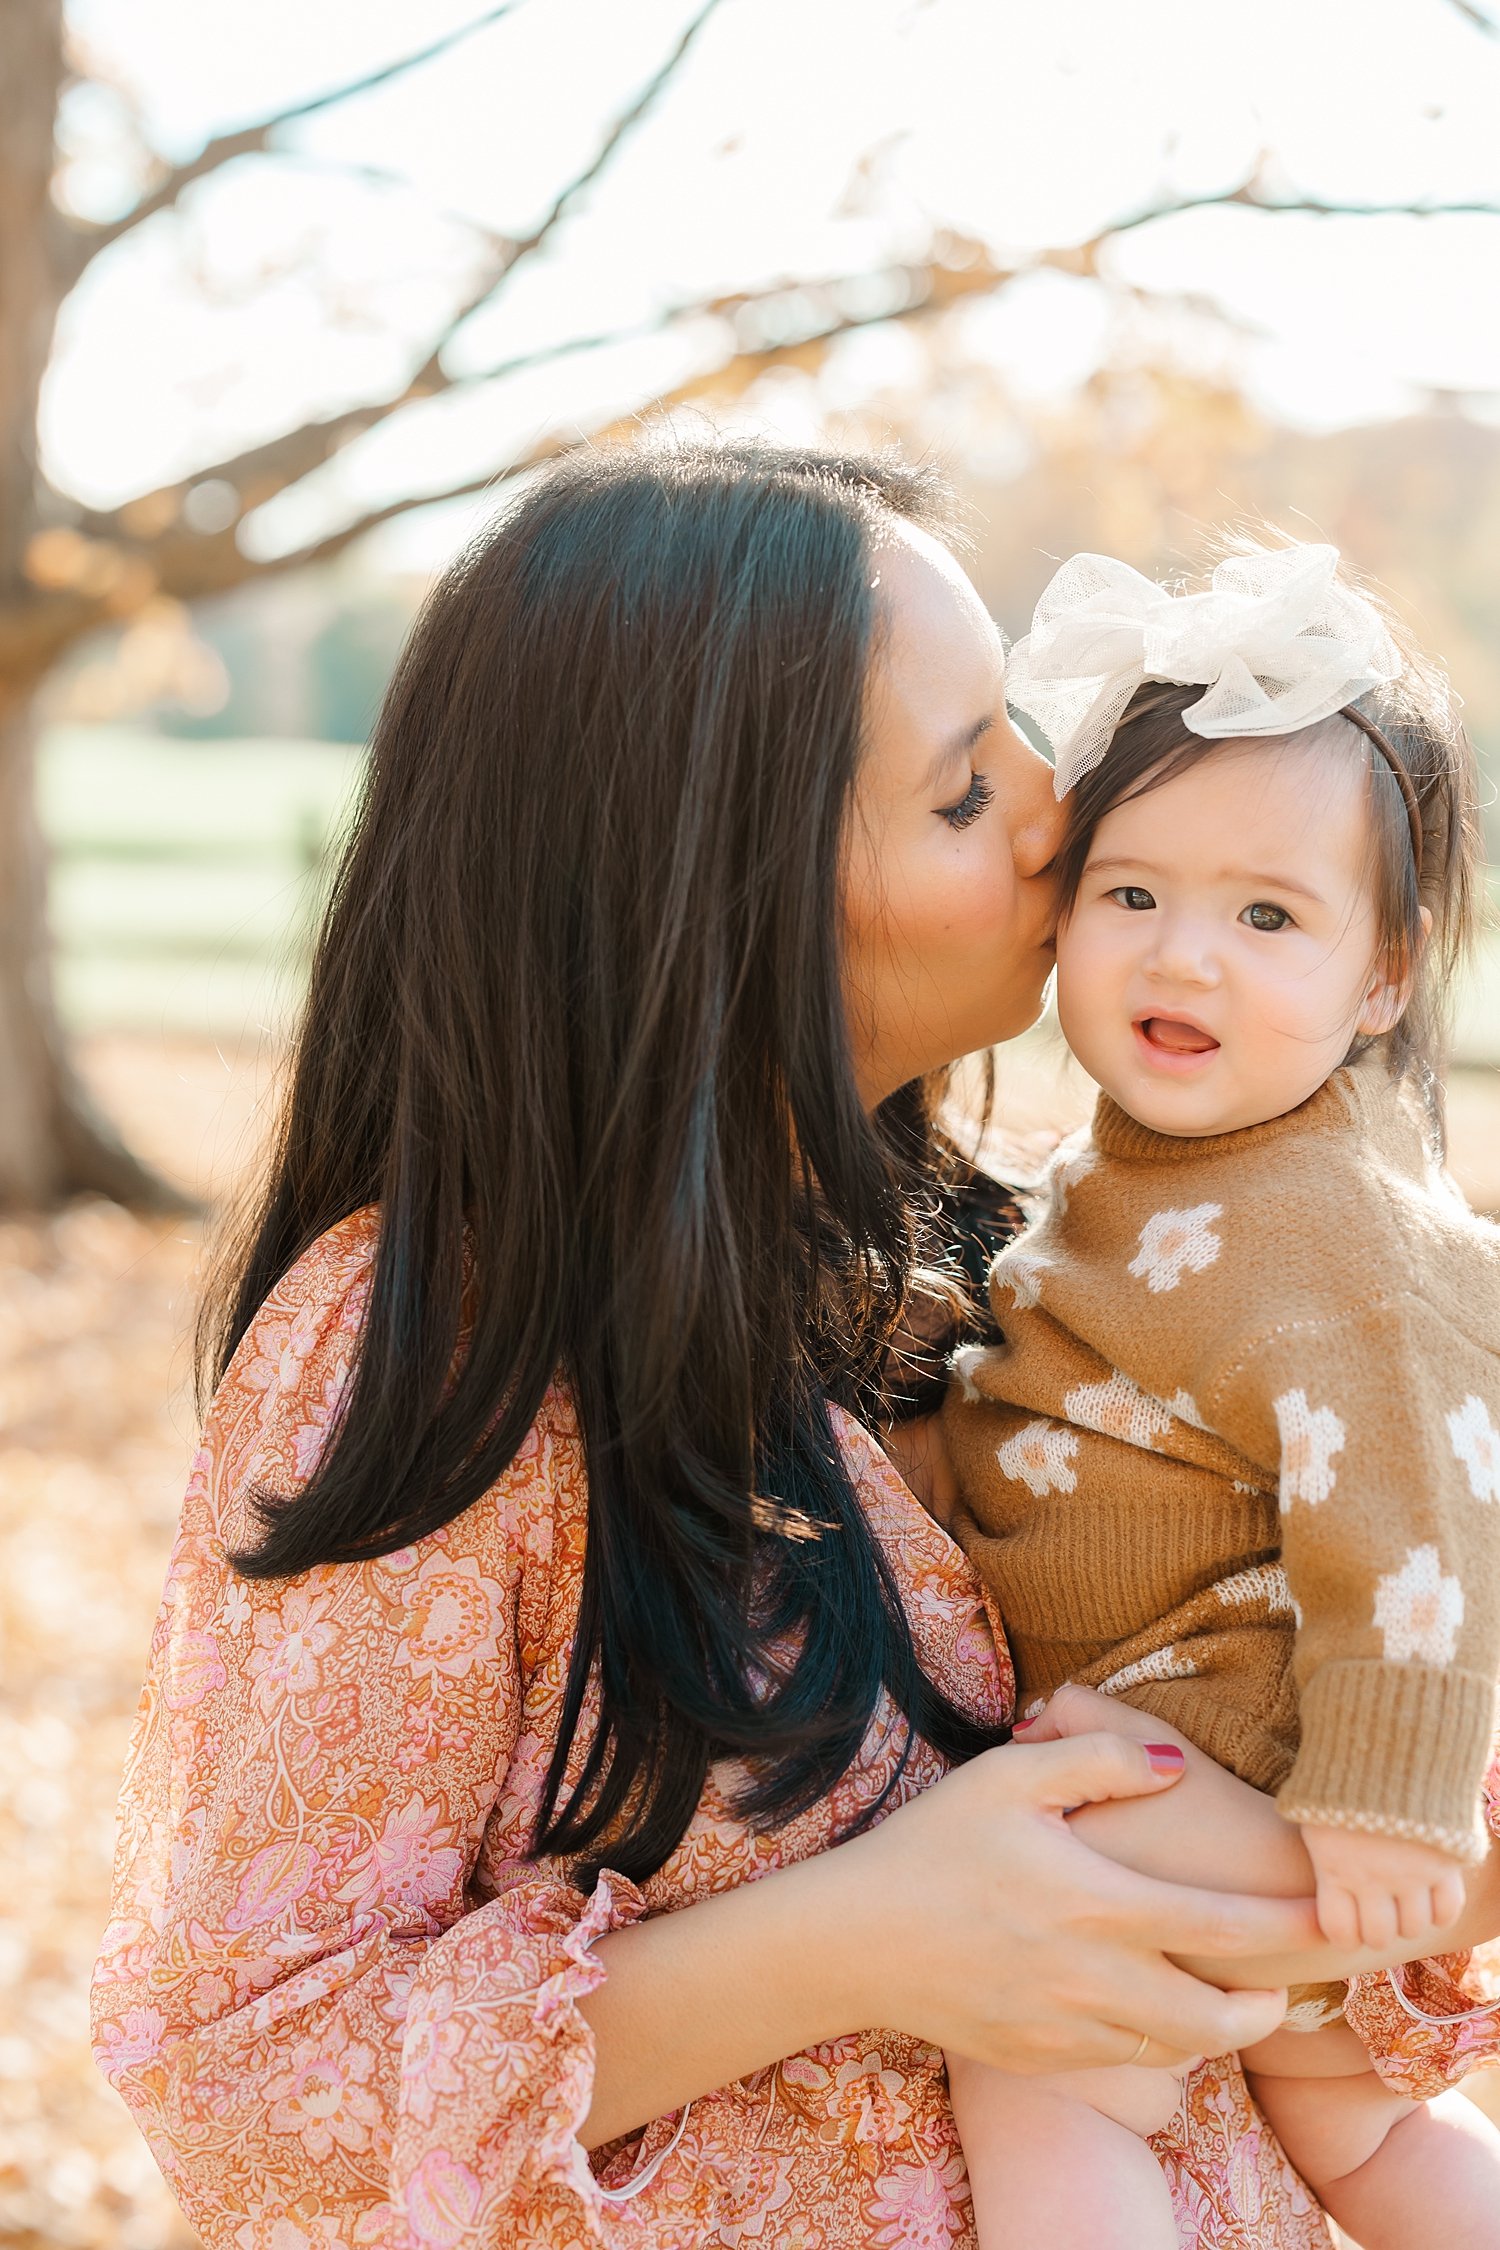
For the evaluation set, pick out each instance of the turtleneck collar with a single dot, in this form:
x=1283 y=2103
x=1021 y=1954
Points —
x=1117 y=1133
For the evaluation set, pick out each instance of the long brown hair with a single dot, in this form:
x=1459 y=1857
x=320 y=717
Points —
x=575 y=1003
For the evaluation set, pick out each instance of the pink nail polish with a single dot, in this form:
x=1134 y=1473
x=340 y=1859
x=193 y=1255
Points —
x=1165 y=1757
x=1020 y=1725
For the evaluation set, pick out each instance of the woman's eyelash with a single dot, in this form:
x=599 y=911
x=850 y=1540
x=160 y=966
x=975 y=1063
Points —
x=970 y=805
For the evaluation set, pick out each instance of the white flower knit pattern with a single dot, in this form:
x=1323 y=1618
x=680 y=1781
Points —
x=1176 y=1242
x=963 y=1363
x=1021 y=1272
x=1184 y=1407
x=1038 y=1457
x=1476 y=1443
x=1120 y=1409
x=1262 y=1585
x=1073 y=1162
x=1310 y=1437
x=1418 y=1610
x=1161 y=1664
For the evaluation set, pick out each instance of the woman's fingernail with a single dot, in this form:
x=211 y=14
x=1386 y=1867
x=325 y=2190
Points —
x=1020 y=1725
x=1165 y=1757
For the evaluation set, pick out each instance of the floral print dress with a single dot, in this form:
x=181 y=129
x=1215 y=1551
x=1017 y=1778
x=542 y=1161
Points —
x=342 y=2002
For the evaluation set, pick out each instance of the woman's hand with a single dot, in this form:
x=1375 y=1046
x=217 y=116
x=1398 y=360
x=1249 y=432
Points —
x=1219 y=1832
x=973 y=1916
x=984 y=1923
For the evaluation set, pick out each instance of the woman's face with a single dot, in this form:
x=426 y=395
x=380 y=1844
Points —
x=947 y=903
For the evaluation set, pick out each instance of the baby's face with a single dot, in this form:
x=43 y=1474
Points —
x=1221 y=955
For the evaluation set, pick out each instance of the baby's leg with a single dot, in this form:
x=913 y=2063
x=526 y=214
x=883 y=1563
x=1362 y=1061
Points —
x=1393 y=2173
x=1062 y=2161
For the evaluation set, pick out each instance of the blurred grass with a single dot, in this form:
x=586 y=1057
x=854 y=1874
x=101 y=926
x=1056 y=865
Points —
x=186 y=876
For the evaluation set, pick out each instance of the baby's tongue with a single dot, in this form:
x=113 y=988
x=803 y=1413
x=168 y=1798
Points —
x=1178 y=1038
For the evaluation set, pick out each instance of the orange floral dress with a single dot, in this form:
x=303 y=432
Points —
x=342 y=2002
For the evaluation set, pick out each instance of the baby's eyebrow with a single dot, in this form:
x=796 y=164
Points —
x=1251 y=877
x=1113 y=866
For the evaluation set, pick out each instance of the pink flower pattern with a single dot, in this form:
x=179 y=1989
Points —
x=341 y=2001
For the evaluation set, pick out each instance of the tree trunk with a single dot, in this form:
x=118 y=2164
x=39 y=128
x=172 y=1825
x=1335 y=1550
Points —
x=52 y=1144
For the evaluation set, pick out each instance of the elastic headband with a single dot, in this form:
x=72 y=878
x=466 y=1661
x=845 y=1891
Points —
x=1371 y=731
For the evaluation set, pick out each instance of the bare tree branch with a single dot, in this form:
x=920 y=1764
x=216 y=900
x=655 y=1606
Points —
x=88 y=240
x=145 y=547
x=261 y=471
x=718 y=386
x=526 y=246
x=1083 y=258
x=124 y=573
x=1251 y=196
x=1477 y=16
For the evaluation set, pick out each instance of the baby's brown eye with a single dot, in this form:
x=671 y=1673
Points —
x=1132 y=896
x=1262 y=916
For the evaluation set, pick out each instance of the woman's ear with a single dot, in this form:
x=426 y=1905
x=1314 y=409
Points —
x=1390 y=987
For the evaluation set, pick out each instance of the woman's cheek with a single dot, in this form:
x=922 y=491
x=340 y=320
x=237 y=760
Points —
x=980 y=921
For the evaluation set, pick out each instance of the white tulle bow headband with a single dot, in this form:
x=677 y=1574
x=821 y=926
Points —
x=1275 y=642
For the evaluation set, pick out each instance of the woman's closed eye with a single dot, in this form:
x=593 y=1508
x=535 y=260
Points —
x=1262 y=915
x=971 y=804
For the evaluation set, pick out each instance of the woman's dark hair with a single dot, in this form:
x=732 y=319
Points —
x=576 y=1028
x=1416 y=719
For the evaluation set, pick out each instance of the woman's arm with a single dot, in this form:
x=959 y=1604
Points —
x=974 y=1916
x=1217 y=1830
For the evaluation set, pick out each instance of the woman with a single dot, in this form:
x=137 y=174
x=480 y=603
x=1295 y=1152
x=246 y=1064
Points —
x=456 y=1844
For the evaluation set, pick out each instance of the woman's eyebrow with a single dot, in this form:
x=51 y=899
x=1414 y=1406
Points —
x=957 y=746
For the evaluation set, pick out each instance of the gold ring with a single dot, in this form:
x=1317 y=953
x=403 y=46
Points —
x=1132 y=2060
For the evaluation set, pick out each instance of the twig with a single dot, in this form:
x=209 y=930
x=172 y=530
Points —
x=260 y=472
x=252 y=140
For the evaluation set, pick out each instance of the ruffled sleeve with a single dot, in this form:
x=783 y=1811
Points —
x=497 y=2068
x=323 y=2030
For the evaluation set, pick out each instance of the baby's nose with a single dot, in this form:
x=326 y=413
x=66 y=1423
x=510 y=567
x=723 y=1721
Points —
x=1183 y=951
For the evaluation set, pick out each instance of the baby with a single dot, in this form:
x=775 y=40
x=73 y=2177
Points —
x=1237 y=1460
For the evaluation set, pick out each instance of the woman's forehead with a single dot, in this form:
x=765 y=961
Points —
x=937 y=665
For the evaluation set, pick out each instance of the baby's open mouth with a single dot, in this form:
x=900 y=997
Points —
x=1175 y=1037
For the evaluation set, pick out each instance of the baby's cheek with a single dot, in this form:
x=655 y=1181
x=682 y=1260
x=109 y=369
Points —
x=1089 y=977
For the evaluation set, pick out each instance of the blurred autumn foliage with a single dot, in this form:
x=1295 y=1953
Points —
x=1148 y=456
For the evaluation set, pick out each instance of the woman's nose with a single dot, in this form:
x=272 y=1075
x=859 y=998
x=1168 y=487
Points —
x=1038 y=831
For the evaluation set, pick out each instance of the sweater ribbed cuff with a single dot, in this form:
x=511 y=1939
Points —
x=1396 y=1749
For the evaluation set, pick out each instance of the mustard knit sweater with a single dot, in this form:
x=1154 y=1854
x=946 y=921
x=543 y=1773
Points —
x=1238 y=1461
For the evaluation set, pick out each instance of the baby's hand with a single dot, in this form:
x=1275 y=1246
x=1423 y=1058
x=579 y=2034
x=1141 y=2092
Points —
x=1374 y=1889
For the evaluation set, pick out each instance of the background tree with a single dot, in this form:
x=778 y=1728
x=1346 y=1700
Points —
x=68 y=570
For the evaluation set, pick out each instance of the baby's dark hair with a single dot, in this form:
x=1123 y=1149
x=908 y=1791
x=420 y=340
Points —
x=1416 y=719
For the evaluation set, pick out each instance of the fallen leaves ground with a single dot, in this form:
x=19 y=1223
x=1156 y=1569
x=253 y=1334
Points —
x=92 y=1461
x=96 y=1428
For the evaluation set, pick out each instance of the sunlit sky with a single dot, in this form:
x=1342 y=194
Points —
x=802 y=138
